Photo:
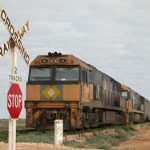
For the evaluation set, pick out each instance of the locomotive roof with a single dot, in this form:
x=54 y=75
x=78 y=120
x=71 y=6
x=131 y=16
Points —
x=73 y=61
x=112 y=79
x=126 y=88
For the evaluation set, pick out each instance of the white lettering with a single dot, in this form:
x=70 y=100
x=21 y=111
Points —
x=9 y=101
x=20 y=100
x=13 y=96
x=14 y=101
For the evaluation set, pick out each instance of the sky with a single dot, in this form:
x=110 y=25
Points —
x=112 y=35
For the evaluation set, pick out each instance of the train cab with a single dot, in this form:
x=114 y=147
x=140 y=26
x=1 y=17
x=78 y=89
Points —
x=56 y=86
x=134 y=105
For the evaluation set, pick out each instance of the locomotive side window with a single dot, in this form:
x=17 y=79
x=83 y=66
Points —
x=97 y=92
x=124 y=94
x=84 y=76
x=67 y=74
x=88 y=77
x=40 y=74
x=113 y=88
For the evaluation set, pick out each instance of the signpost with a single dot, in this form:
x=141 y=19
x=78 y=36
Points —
x=14 y=95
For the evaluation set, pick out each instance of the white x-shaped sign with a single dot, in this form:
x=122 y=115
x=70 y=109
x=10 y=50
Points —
x=15 y=37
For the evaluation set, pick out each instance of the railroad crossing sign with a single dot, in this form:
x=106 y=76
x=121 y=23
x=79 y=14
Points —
x=14 y=100
x=14 y=95
x=15 y=39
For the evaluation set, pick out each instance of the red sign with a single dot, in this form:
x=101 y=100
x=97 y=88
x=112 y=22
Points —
x=14 y=100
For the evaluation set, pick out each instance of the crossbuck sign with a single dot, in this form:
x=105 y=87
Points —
x=15 y=37
x=14 y=95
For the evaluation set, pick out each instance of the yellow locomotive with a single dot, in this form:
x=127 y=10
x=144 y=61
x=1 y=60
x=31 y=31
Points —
x=65 y=87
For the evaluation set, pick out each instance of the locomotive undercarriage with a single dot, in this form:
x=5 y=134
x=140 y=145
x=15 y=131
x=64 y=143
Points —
x=73 y=115
x=42 y=116
x=136 y=117
x=46 y=118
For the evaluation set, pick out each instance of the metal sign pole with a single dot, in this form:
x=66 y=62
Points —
x=12 y=122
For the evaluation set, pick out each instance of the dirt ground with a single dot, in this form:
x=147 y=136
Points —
x=140 y=141
x=36 y=146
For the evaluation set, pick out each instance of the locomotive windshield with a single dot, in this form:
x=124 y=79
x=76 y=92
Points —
x=40 y=74
x=54 y=74
x=67 y=74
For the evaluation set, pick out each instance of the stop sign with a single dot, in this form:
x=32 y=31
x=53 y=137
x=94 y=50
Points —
x=14 y=100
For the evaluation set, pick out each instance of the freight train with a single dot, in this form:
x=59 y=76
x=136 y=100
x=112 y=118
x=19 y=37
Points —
x=65 y=87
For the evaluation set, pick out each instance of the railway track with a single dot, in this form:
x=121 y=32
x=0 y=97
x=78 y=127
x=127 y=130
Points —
x=78 y=134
